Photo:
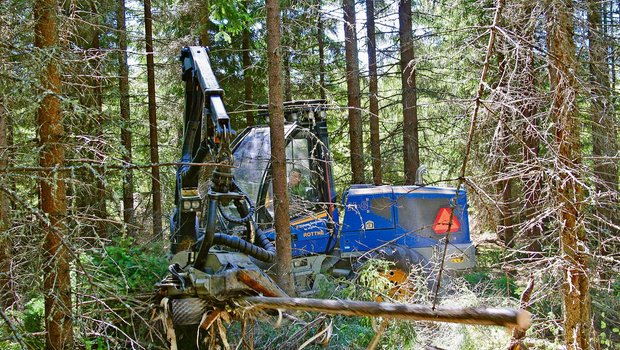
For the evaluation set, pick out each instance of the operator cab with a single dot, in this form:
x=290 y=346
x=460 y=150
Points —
x=309 y=174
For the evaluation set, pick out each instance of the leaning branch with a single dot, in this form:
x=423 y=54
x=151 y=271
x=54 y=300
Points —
x=504 y=317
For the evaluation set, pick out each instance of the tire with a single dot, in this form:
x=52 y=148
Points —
x=186 y=316
x=187 y=335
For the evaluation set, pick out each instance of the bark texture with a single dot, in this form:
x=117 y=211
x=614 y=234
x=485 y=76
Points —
x=604 y=129
x=569 y=192
x=90 y=195
x=502 y=154
x=6 y=283
x=247 y=77
x=373 y=92
x=99 y=204
x=205 y=12
x=150 y=70
x=531 y=150
x=320 y=34
x=123 y=87
x=481 y=316
x=56 y=283
x=411 y=146
x=353 y=93
x=278 y=156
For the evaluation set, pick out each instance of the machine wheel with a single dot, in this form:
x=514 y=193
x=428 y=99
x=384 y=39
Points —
x=186 y=316
x=187 y=335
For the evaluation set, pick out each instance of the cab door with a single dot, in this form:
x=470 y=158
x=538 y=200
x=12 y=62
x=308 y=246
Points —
x=310 y=189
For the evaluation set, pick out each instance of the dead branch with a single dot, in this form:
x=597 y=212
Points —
x=504 y=317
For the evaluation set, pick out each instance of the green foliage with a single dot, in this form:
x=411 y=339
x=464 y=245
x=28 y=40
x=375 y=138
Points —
x=128 y=267
x=33 y=315
x=502 y=283
x=488 y=258
x=31 y=319
x=97 y=344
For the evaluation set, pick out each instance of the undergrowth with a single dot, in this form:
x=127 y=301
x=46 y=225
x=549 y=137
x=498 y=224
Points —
x=113 y=288
x=370 y=285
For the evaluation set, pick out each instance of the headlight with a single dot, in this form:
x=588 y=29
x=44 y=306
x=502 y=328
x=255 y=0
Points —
x=195 y=204
x=187 y=205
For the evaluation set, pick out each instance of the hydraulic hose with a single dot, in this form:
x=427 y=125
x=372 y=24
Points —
x=209 y=236
x=262 y=249
x=267 y=254
x=241 y=220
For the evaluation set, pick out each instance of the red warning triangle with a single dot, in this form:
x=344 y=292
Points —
x=442 y=221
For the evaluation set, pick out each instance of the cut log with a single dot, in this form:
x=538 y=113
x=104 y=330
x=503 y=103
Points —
x=504 y=317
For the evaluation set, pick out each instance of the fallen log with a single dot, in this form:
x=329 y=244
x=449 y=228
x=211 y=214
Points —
x=504 y=317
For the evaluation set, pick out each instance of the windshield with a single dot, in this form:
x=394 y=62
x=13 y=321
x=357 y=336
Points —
x=252 y=156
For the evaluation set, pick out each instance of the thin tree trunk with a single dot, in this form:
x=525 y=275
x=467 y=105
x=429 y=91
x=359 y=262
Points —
x=611 y=49
x=90 y=197
x=604 y=131
x=56 y=283
x=411 y=151
x=502 y=156
x=100 y=209
x=531 y=150
x=123 y=87
x=320 y=34
x=6 y=282
x=278 y=156
x=150 y=69
x=247 y=78
x=569 y=192
x=285 y=47
x=205 y=12
x=373 y=87
x=10 y=144
x=503 y=187
x=353 y=93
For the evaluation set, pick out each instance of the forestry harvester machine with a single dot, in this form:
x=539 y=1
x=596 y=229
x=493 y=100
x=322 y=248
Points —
x=222 y=235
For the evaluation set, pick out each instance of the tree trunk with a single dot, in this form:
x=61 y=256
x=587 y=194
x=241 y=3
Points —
x=123 y=87
x=247 y=78
x=611 y=48
x=531 y=150
x=375 y=147
x=90 y=196
x=320 y=34
x=502 y=155
x=411 y=145
x=204 y=23
x=56 y=283
x=285 y=48
x=503 y=187
x=278 y=156
x=150 y=69
x=7 y=296
x=569 y=192
x=353 y=93
x=604 y=131
x=100 y=208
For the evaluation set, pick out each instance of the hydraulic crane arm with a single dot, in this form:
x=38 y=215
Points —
x=206 y=122
x=207 y=139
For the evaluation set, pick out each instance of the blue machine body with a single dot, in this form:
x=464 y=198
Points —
x=413 y=219
x=378 y=215
x=402 y=215
x=368 y=217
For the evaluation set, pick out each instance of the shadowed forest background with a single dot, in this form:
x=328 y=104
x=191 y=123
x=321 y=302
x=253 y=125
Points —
x=514 y=100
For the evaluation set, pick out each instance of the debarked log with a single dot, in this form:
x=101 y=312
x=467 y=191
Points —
x=505 y=317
